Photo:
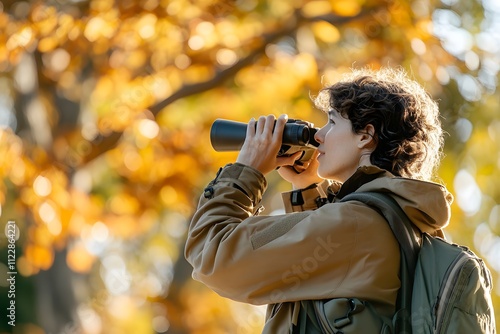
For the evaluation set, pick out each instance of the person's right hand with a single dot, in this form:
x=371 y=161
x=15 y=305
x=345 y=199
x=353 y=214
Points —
x=262 y=144
x=302 y=176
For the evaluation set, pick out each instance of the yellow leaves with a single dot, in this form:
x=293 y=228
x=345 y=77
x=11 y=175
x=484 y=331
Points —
x=79 y=259
x=202 y=37
x=123 y=204
x=51 y=205
x=281 y=8
x=400 y=13
x=146 y=26
x=285 y=79
x=57 y=60
x=197 y=73
x=147 y=129
x=128 y=317
x=338 y=7
x=116 y=117
x=12 y=164
x=204 y=310
x=100 y=27
x=346 y=7
x=226 y=57
x=148 y=183
x=25 y=268
x=21 y=39
x=302 y=109
x=47 y=30
x=228 y=34
x=47 y=24
x=305 y=66
x=168 y=195
x=123 y=227
x=68 y=27
x=45 y=19
x=39 y=256
x=86 y=209
x=104 y=87
x=316 y=8
x=47 y=212
x=326 y=32
x=182 y=9
x=101 y=5
x=119 y=102
x=48 y=44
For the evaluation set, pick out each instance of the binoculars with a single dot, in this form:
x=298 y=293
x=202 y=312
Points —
x=298 y=135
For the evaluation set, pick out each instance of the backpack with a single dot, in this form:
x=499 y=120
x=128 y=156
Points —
x=445 y=288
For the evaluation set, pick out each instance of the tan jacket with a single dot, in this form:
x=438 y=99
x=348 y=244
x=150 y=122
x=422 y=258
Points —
x=318 y=251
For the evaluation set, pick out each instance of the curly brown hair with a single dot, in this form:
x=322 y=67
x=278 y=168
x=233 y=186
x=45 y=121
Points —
x=408 y=130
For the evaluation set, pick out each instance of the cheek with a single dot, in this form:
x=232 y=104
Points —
x=329 y=138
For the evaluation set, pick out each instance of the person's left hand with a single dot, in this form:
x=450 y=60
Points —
x=262 y=144
x=302 y=176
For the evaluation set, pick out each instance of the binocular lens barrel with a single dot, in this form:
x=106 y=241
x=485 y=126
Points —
x=228 y=135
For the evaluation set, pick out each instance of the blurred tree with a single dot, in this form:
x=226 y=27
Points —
x=106 y=108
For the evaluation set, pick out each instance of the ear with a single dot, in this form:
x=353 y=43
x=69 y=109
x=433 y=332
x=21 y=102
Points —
x=367 y=138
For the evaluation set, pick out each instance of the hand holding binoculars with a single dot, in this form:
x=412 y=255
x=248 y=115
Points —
x=298 y=135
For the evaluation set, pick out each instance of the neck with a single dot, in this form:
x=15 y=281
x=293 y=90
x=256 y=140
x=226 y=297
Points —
x=364 y=160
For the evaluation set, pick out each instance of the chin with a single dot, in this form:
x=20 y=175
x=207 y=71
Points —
x=325 y=175
x=329 y=176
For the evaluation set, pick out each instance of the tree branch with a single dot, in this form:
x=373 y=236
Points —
x=104 y=143
x=223 y=75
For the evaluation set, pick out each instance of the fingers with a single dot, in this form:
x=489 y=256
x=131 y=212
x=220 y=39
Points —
x=288 y=160
x=261 y=123
x=262 y=143
x=268 y=127
x=279 y=127
x=251 y=128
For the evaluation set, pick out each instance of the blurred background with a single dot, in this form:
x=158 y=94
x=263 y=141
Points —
x=105 y=112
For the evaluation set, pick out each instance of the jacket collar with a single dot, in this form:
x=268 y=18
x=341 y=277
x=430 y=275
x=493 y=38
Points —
x=363 y=174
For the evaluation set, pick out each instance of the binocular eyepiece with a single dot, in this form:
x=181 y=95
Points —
x=298 y=135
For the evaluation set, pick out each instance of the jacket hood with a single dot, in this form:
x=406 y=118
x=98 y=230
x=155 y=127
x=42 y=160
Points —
x=427 y=204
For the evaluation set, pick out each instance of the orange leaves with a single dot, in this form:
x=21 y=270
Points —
x=23 y=38
x=123 y=204
x=100 y=28
x=207 y=313
x=275 y=86
x=326 y=32
x=79 y=259
x=317 y=7
x=337 y=7
x=44 y=18
x=117 y=60
x=151 y=158
x=347 y=7
x=11 y=164
x=39 y=257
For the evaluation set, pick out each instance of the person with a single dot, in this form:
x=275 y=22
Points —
x=383 y=134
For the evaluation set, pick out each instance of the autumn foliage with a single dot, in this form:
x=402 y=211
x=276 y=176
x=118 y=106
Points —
x=106 y=108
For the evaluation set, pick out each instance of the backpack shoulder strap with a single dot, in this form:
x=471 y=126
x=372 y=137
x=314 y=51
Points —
x=402 y=229
x=399 y=222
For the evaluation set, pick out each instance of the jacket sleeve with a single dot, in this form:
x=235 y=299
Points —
x=272 y=259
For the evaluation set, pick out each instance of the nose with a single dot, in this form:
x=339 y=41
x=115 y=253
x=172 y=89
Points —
x=320 y=135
